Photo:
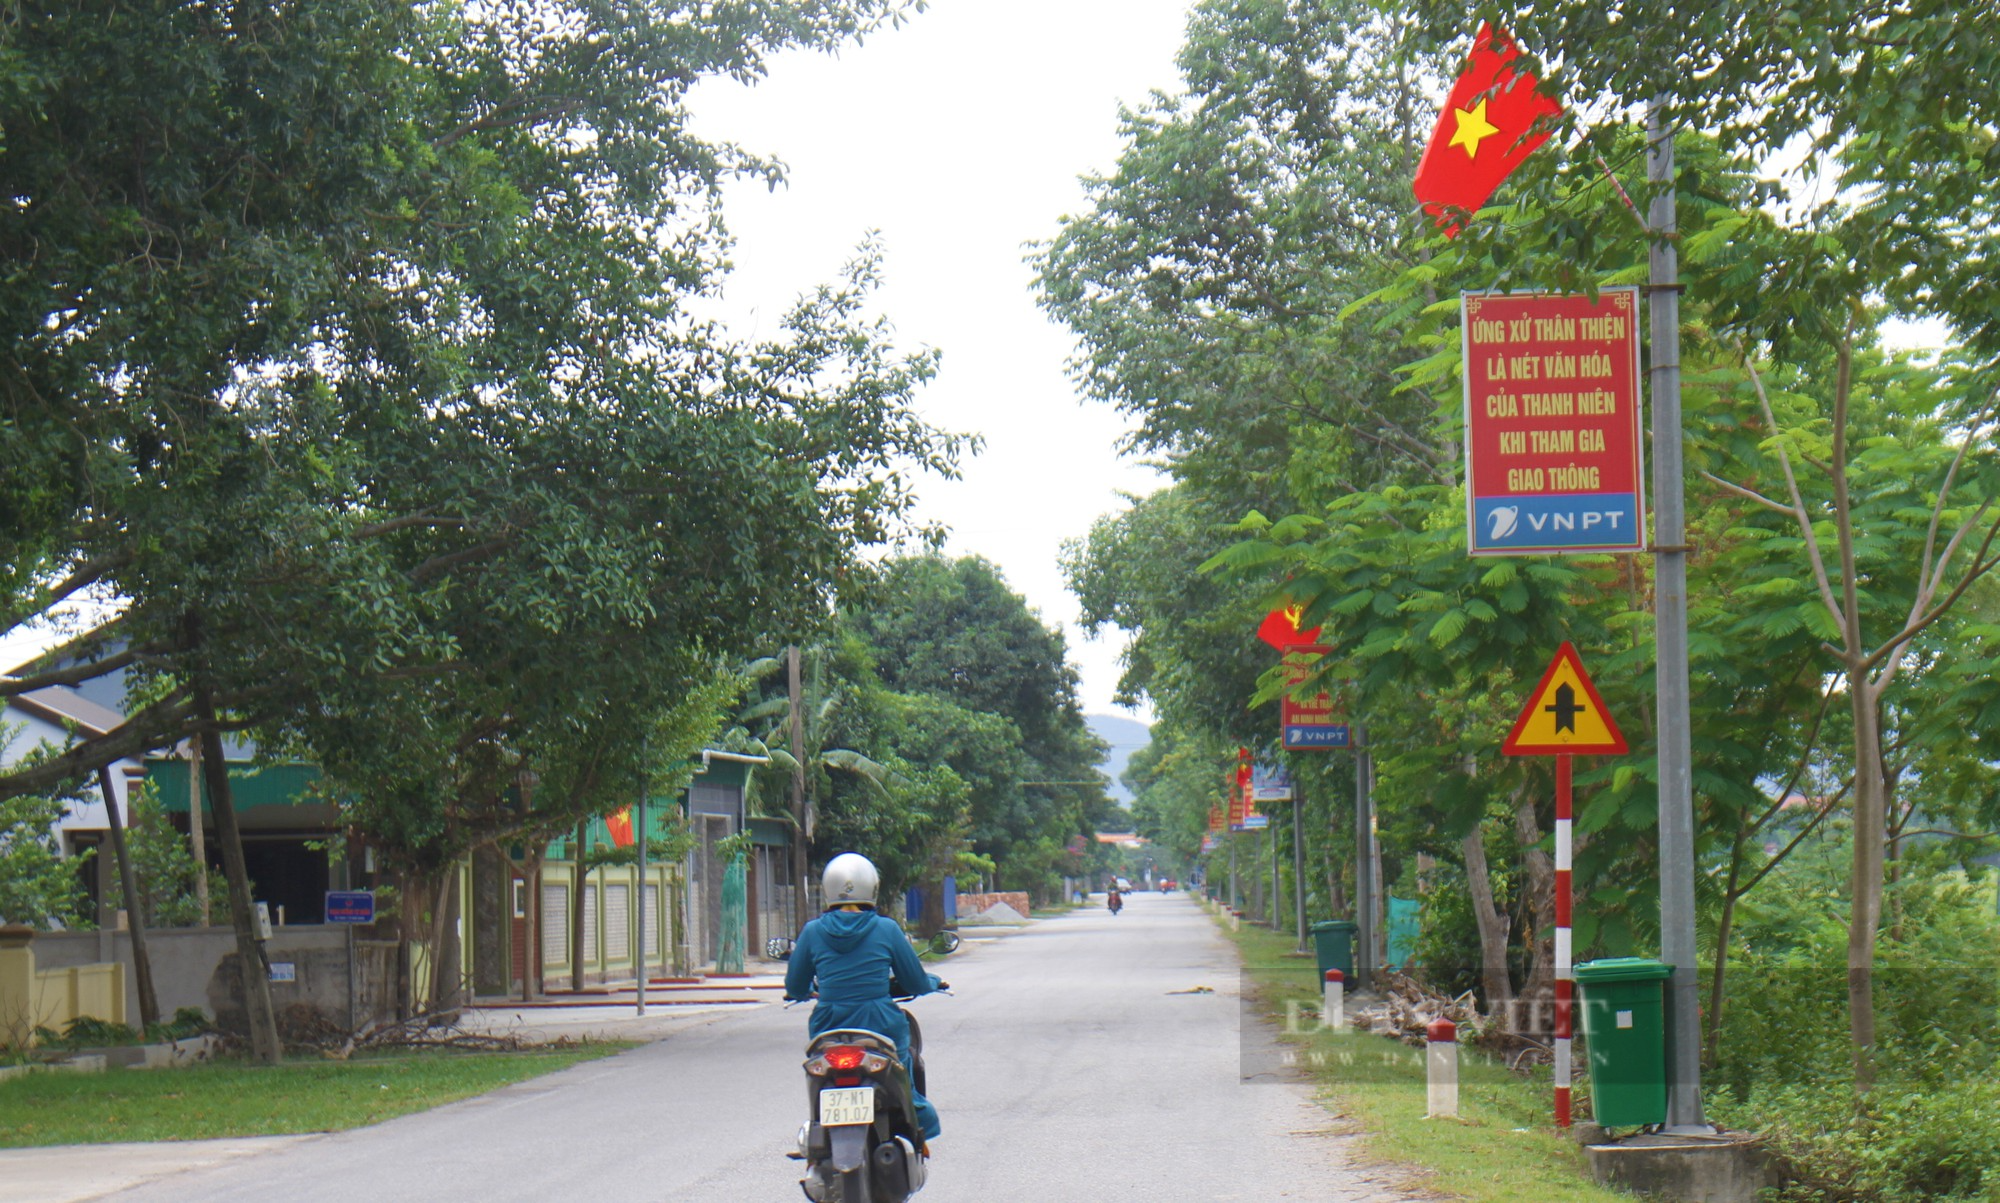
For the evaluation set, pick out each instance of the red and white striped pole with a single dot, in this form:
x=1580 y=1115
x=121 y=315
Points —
x=1565 y=980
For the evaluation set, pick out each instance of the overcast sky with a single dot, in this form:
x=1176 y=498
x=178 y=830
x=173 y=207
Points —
x=960 y=138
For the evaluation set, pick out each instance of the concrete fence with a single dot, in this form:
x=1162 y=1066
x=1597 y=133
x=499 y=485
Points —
x=196 y=967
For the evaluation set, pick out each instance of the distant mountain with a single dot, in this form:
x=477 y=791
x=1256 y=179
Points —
x=1126 y=736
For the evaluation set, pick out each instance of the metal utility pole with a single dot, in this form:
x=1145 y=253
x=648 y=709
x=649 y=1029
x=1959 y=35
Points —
x=197 y=835
x=1298 y=869
x=1277 y=893
x=1235 y=898
x=798 y=724
x=1364 y=862
x=644 y=784
x=1677 y=943
x=577 y=852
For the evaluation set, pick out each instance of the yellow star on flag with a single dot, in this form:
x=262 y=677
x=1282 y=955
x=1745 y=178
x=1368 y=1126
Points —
x=1472 y=128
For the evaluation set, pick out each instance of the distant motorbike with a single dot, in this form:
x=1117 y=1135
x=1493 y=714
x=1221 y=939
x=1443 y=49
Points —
x=1115 y=901
x=861 y=1143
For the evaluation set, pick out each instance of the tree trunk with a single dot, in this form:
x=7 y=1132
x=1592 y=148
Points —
x=447 y=987
x=1336 y=896
x=931 y=921
x=432 y=939
x=405 y=1004
x=1723 y=927
x=1865 y=919
x=1538 y=991
x=1492 y=924
x=256 y=973
x=135 y=904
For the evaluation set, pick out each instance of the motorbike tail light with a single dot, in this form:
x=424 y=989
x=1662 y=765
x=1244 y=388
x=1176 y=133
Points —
x=847 y=1079
x=817 y=1067
x=874 y=1064
x=844 y=1056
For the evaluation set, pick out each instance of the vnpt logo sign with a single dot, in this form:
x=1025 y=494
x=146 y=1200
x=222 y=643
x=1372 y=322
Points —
x=1609 y=520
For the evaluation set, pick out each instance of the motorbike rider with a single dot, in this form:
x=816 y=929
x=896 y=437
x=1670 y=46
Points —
x=861 y=962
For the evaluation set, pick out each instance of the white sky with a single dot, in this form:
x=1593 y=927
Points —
x=960 y=138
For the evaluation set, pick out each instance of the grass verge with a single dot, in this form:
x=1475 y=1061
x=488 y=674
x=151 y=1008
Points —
x=1503 y=1148
x=230 y=1098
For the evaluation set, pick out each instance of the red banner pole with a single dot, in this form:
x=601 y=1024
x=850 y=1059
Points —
x=1565 y=980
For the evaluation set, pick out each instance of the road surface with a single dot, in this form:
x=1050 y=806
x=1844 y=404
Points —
x=1073 y=1065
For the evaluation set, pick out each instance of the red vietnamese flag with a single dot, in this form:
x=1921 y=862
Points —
x=1484 y=132
x=620 y=826
x=1280 y=628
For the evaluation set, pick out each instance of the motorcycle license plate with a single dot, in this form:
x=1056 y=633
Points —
x=838 y=1108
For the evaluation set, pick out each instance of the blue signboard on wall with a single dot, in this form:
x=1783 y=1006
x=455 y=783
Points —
x=350 y=906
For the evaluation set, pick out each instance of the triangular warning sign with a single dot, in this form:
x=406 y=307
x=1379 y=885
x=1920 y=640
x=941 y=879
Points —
x=1564 y=715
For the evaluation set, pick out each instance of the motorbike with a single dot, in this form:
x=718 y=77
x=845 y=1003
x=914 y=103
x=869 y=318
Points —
x=861 y=1143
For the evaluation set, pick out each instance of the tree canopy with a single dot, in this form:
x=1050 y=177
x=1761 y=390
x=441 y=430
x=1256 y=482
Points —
x=354 y=364
x=1253 y=284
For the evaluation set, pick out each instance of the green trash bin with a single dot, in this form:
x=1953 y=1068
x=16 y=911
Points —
x=1625 y=1026
x=1333 y=945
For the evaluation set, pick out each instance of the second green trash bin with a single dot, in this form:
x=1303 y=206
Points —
x=1333 y=945
x=1625 y=1026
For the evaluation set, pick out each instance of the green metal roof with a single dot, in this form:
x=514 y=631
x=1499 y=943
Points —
x=250 y=785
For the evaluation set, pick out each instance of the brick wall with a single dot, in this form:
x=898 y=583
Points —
x=970 y=905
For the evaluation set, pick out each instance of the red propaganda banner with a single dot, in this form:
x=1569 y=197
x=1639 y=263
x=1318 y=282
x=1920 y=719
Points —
x=1215 y=818
x=1553 y=457
x=1240 y=808
x=1309 y=722
x=620 y=827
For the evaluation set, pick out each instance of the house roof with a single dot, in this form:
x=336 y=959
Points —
x=61 y=704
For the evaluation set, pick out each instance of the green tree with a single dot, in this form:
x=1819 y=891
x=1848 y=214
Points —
x=991 y=688
x=352 y=350
x=352 y=335
x=39 y=887
x=1897 y=135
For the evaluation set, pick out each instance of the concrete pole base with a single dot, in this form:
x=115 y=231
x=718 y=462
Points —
x=1727 y=1167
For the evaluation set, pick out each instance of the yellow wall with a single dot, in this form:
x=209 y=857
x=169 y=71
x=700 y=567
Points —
x=602 y=887
x=51 y=998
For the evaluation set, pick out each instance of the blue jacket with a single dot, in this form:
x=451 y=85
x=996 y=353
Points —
x=862 y=962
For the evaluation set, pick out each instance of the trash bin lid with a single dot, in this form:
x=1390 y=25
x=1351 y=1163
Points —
x=1335 y=925
x=1624 y=969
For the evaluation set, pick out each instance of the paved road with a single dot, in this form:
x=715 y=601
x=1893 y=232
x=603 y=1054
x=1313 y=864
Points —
x=1067 y=1070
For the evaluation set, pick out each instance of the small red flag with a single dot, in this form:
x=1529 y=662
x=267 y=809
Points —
x=620 y=826
x=1280 y=628
x=1484 y=132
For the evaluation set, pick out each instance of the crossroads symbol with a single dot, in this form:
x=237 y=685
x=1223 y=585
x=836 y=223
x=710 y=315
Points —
x=1565 y=708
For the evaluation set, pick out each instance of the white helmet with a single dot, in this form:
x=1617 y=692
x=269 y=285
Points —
x=850 y=878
